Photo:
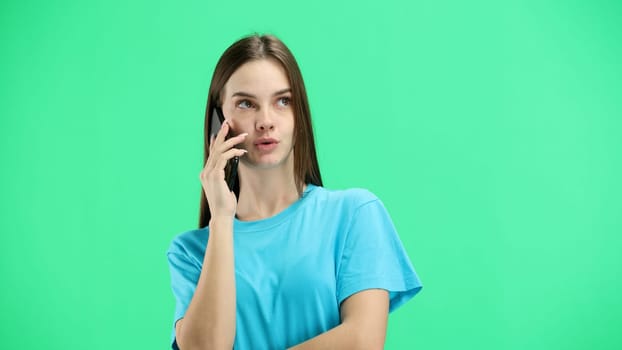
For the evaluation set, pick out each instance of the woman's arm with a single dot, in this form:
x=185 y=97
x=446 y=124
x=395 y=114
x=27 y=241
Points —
x=209 y=322
x=364 y=324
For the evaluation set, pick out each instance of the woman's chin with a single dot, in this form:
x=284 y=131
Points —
x=264 y=162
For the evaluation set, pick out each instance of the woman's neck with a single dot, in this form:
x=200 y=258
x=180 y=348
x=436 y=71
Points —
x=265 y=192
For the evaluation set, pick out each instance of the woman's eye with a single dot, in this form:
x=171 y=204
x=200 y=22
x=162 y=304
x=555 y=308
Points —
x=284 y=101
x=245 y=104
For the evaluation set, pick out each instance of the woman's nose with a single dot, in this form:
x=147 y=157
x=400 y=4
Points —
x=264 y=121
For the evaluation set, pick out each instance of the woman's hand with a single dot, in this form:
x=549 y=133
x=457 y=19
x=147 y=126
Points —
x=221 y=201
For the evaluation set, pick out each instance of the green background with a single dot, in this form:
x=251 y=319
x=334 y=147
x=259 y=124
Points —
x=492 y=131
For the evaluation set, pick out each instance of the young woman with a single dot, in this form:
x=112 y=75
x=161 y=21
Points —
x=280 y=262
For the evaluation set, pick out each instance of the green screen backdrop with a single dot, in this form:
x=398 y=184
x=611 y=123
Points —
x=491 y=130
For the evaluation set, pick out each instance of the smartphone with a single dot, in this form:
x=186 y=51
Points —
x=231 y=169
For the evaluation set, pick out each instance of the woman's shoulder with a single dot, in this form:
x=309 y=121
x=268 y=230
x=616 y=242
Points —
x=353 y=197
x=189 y=242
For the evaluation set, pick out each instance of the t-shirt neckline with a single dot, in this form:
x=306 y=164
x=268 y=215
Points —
x=263 y=224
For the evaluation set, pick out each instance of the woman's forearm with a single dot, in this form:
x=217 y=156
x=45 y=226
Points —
x=364 y=326
x=209 y=322
x=344 y=336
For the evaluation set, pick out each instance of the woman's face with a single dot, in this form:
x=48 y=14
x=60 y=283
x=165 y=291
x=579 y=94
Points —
x=256 y=99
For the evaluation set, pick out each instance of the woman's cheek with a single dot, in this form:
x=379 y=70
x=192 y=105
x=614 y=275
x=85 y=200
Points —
x=245 y=128
x=236 y=127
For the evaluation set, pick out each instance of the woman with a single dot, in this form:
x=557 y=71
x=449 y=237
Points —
x=280 y=262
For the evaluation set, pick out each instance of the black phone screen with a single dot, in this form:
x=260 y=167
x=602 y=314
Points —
x=231 y=169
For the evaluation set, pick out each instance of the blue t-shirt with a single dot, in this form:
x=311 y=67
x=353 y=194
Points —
x=293 y=270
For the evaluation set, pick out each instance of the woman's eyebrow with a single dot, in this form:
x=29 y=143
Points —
x=246 y=94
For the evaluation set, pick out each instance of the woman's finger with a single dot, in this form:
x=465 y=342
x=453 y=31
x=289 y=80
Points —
x=232 y=142
x=222 y=160
x=212 y=138
x=222 y=133
x=215 y=151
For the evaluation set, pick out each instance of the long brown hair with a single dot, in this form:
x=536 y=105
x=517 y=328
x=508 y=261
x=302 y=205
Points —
x=255 y=47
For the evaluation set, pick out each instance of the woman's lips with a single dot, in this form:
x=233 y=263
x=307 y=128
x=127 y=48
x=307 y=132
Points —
x=266 y=144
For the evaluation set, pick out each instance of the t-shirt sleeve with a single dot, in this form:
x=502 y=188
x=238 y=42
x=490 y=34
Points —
x=184 y=277
x=374 y=257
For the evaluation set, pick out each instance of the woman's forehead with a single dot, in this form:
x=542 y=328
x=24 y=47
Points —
x=259 y=78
